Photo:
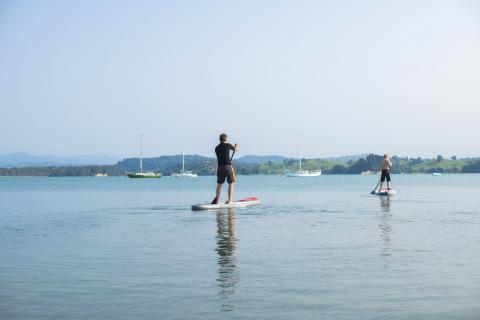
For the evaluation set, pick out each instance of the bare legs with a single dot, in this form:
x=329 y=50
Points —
x=230 y=192
x=381 y=184
x=219 y=191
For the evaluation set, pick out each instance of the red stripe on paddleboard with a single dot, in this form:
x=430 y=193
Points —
x=248 y=199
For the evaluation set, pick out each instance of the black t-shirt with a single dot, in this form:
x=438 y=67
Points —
x=223 y=153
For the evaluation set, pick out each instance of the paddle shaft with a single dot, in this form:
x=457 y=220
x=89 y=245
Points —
x=379 y=183
x=373 y=191
x=234 y=171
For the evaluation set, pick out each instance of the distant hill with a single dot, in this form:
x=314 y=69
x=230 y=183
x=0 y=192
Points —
x=23 y=159
x=18 y=165
x=348 y=158
x=261 y=159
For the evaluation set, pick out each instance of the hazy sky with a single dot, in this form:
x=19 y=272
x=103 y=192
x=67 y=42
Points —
x=80 y=77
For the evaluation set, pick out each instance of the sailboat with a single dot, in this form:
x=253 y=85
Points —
x=183 y=173
x=141 y=174
x=300 y=172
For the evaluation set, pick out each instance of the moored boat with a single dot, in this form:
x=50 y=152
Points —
x=302 y=173
x=184 y=173
x=141 y=174
x=144 y=175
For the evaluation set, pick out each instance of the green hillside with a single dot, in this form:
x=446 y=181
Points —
x=447 y=166
x=208 y=166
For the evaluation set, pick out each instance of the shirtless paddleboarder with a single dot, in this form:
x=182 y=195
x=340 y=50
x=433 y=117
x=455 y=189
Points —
x=386 y=166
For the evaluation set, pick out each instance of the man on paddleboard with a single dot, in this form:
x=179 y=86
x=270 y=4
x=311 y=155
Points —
x=225 y=169
x=386 y=166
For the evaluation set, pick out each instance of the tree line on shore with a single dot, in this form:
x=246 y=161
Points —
x=208 y=166
x=63 y=171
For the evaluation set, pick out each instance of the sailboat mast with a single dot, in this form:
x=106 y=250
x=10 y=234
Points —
x=301 y=151
x=183 y=160
x=141 y=153
x=300 y=167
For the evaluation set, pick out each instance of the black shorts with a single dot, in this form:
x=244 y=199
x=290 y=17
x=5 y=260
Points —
x=385 y=174
x=225 y=172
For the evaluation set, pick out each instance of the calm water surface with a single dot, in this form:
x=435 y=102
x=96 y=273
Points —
x=318 y=248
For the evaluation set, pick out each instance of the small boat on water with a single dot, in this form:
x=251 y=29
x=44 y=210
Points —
x=184 y=173
x=141 y=174
x=149 y=174
x=436 y=173
x=101 y=175
x=302 y=173
x=368 y=173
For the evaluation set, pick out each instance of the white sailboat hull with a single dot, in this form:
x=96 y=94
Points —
x=301 y=174
x=185 y=175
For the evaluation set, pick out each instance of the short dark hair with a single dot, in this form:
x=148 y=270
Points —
x=223 y=137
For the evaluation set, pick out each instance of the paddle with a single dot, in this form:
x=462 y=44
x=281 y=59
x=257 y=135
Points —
x=234 y=171
x=234 y=177
x=373 y=191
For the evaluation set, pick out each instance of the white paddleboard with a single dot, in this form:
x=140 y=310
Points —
x=385 y=193
x=236 y=204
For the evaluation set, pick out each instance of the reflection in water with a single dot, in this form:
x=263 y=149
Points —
x=226 y=246
x=386 y=227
